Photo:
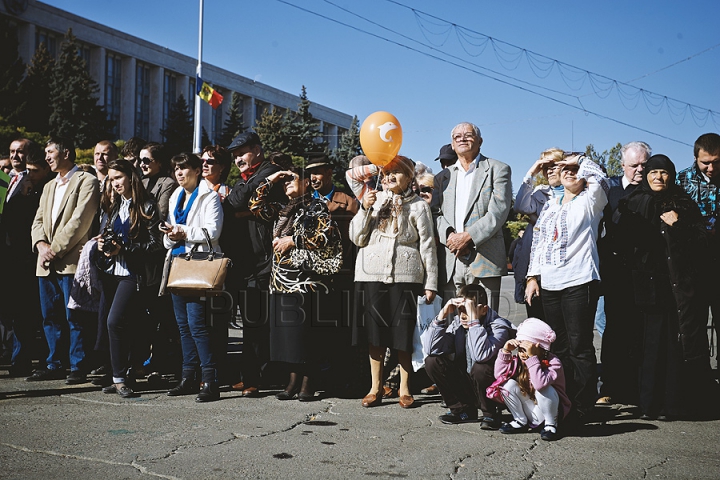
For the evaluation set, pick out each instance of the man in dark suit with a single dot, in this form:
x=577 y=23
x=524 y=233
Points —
x=60 y=229
x=250 y=248
x=471 y=202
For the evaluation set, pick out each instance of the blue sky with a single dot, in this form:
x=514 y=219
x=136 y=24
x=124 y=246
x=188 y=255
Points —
x=632 y=42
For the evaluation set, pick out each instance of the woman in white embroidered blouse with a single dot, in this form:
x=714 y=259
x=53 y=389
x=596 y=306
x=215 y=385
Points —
x=564 y=272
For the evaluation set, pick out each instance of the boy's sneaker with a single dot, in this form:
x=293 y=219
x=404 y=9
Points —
x=490 y=423
x=455 y=418
x=513 y=427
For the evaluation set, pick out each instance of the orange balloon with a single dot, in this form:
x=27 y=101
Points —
x=381 y=137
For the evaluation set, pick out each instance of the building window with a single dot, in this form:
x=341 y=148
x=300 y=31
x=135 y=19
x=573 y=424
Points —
x=142 y=101
x=169 y=95
x=113 y=75
x=84 y=53
x=260 y=109
x=49 y=39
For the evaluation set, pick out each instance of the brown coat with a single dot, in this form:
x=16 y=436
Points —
x=72 y=227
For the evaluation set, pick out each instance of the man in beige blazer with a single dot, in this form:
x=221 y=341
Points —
x=61 y=227
x=471 y=202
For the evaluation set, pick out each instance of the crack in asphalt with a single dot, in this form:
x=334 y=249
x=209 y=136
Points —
x=459 y=464
x=647 y=470
x=134 y=464
x=309 y=417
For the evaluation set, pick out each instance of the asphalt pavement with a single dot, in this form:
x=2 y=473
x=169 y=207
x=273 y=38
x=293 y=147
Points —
x=51 y=430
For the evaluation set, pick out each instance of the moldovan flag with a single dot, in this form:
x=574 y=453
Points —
x=207 y=93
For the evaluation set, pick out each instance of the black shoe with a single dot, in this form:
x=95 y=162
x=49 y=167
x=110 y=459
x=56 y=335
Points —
x=490 y=423
x=101 y=370
x=208 y=393
x=103 y=381
x=76 y=378
x=285 y=395
x=307 y=397
x=110 y=389
x=549 y=435
x=18 y=371
x=455 y=418
x=510 y=428
x=185 y=387
x=42 y=375
x=126 y=392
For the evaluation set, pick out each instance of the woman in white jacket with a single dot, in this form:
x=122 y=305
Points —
x=396 y=263
x=194 y=206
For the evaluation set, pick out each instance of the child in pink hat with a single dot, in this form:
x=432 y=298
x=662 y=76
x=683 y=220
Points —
x=535 y=394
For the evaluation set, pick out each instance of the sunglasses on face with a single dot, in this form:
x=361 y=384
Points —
x=209 y=161
x=426 y=189
x=146 y=161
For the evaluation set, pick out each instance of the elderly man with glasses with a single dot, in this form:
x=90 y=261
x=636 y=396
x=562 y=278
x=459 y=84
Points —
x=471 y=201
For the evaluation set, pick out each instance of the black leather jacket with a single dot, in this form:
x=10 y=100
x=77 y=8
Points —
x=145 y=253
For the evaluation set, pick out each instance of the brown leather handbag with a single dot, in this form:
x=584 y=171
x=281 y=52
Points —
x=198 y=274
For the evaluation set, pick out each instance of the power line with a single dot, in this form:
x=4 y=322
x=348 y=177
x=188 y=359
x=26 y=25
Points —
x=673 y=64
x=699 y=114
x=465 y=67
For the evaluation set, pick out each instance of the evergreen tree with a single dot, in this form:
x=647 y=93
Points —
x=35 y=88
x=12 y=69
x=204 y=138
x=178 y=132
x=609 y=160
x=349 y=145
x=75 y=112
x=303 y=130
x=233 y=123
x=272 y=130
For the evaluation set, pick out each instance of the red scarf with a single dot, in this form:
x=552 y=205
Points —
x=249 y=172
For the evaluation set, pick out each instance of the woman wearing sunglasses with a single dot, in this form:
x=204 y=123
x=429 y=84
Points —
x=155 y=167
x=216 y=168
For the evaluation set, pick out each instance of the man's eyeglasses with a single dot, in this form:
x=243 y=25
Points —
x=146 y=161
x=466 y=136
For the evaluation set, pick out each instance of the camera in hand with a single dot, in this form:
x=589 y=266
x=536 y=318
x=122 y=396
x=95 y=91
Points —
x=111 y=240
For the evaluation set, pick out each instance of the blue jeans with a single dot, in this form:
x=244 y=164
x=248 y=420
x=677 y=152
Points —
x=58 y=321
x=195 y=338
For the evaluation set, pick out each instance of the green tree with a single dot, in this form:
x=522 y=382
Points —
x=348 y=146
x=303 y=130
x=35 y=88
x=608 y=159
x=178 y=132
x=233 y=123
x=75 y=112
x=204 y=138
x=271 y=127
x=12 y=69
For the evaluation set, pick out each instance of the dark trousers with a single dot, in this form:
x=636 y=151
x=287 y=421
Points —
x=463 y=392
x=571 y=314
x=254 y=302
x=124 y=312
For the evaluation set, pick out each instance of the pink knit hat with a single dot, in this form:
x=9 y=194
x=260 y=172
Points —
x=535 y=330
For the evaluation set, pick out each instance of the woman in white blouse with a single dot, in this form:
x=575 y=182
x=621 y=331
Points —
x=564 y=272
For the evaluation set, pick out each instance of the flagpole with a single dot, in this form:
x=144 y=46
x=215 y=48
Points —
x=197 y=138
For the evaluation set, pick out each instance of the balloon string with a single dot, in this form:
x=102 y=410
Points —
x=377 y=182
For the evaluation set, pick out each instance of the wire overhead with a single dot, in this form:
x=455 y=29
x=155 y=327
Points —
x=474 y=43
x=477 y=71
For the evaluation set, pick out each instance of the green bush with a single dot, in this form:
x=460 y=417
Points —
x=515 y=226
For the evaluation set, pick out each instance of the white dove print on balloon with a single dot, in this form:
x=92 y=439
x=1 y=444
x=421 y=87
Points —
x=380 y=137
x=384 y=129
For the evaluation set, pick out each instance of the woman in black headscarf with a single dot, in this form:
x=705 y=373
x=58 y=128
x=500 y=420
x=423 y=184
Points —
x=663 y=239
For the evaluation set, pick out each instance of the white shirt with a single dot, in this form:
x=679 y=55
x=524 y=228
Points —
x=124 y=215
x=564 y=249
x=62 y=184
x=462 y=193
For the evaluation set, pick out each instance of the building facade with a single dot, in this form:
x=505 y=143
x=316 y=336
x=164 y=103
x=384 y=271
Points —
x=139 y=80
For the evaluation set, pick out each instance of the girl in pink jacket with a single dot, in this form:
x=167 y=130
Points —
x=535 y=395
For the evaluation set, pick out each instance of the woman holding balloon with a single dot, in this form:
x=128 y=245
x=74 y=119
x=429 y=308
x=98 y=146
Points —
x=397 y=259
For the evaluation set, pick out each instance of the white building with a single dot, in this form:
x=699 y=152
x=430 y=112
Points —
x=139 y=80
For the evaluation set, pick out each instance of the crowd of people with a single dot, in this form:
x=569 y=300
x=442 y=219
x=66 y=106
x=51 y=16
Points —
x=316 y=270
